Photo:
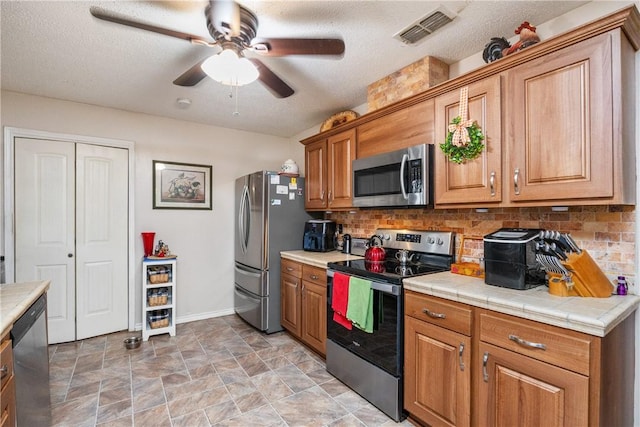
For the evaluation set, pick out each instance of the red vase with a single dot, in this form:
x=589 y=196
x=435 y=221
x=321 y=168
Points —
x=147 y=242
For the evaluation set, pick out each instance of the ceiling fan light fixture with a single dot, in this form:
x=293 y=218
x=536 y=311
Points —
x=230 y=69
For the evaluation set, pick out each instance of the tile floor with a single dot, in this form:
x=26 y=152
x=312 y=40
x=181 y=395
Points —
x=218 y=372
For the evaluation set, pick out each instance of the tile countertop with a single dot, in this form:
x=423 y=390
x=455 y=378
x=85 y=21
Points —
x=593 y=316
x=318 y=259
x=16 y=298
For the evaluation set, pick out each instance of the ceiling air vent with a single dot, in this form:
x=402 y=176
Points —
x=424 y=26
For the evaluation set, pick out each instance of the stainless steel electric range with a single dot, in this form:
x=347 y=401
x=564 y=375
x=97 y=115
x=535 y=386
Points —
x=372 y=363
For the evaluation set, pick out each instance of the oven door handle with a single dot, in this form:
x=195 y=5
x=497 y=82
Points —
x=386 y=288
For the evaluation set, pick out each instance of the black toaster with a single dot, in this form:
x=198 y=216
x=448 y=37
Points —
x=510 y=259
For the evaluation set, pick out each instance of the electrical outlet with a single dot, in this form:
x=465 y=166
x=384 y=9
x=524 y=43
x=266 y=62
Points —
x=632 y=288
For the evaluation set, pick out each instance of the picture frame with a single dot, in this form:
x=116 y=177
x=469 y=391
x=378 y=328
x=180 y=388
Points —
x=182 y=186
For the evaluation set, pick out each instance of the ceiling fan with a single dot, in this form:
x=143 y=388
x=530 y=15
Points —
x=234 y=29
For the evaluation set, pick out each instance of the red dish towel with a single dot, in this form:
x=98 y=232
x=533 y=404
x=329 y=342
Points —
x=340 y=299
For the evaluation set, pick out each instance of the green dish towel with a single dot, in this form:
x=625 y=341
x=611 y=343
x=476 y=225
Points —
x=360 y=304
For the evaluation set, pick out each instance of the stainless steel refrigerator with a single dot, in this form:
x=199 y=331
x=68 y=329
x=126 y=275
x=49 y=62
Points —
x=270 y=217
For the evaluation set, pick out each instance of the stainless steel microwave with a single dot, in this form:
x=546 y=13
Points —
x=398 y=178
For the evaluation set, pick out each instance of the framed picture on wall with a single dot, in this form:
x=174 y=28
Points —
x=181 y=186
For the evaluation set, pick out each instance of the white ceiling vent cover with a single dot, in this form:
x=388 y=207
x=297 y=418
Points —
x=424 y=26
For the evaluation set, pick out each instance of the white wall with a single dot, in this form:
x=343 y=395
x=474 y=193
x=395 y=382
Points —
x=203 y=240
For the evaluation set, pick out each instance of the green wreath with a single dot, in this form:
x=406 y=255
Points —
x=462 y=153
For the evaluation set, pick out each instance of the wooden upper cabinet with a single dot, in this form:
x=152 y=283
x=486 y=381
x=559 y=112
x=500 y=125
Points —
x=403 y=128
x=341 y=151
x=315 y=155
x=560 y=129
x=478 y=180
x=558 y=118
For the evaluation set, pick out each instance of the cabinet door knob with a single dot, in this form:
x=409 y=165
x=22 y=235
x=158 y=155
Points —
x=4 y=370
x=492 y=183
x=516 y=185
x=460 y=353
x=485 y=360
x=69 y=255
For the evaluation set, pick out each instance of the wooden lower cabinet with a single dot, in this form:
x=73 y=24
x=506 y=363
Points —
x=314 y=316
x=303 y=303
x=437 y=360
x=437 y=383
x=290 y=286
x=518 y=372
x=517 y=390
x=7 y=384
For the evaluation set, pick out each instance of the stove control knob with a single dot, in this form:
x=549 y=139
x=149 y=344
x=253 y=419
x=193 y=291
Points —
x=440 y=241
x=386 y=237
x=430 y=240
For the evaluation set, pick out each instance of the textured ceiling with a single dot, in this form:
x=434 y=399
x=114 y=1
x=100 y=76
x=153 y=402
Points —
x=57 y=49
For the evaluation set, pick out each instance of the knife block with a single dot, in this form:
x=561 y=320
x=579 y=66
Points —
x=588 y=278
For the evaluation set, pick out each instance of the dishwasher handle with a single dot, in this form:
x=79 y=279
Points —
x=24 y=322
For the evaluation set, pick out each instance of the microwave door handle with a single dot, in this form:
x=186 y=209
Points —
x=403 y=164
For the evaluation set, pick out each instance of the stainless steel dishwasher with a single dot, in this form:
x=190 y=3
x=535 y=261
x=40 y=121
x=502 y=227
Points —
x=31 y=365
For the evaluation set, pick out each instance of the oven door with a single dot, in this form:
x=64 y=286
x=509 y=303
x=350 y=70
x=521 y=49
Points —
x=383 y=347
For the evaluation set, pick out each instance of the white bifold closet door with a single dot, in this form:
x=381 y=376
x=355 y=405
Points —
x=71 y=222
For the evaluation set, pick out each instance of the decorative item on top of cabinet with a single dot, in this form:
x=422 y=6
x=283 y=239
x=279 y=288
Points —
x=158 y=297
x=528 y=37
x=437 y=385
x=338 y=119
x=303 y=291
x=478 y=180
x=329 y=172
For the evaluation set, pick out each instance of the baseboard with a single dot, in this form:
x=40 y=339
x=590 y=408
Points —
x=199 y=316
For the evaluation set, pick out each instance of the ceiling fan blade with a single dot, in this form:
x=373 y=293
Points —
x=192 y=76
x=283 y=47
x=118 y=19
x=225 y=17
x=272 y=82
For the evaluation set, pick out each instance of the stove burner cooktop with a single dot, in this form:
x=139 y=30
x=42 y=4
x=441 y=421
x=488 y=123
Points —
x=432 y=252
x=388 y=270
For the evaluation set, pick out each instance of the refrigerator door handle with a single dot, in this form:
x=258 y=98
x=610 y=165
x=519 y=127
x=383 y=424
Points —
x=244 y=225
x=248 y=272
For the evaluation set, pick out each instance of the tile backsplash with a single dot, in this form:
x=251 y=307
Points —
x=606 y=232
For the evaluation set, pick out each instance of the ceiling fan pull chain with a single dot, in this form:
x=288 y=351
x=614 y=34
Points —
x=236 y=112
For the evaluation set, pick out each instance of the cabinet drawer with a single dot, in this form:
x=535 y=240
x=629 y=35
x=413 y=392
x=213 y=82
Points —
x=542 y=342
x=6 y=363
x=290 y=267
x=447 y=314
x=314 y=274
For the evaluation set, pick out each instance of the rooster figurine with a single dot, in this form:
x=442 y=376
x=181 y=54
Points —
x=528 y=37
x=499 y=46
